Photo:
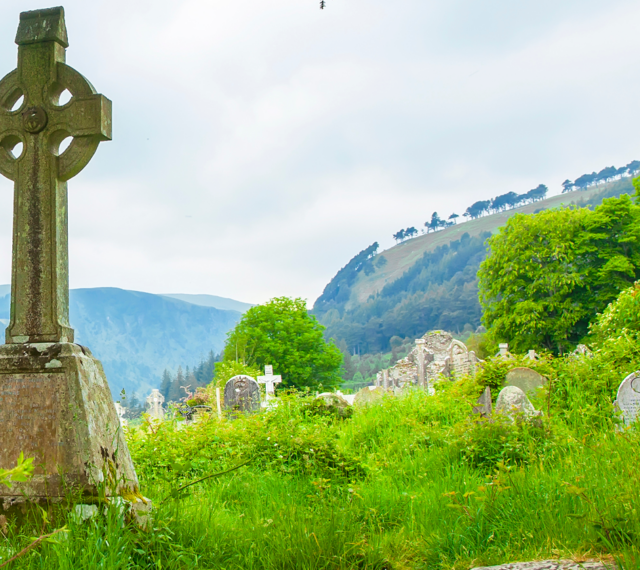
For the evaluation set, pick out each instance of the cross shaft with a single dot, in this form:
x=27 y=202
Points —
x=40 y=266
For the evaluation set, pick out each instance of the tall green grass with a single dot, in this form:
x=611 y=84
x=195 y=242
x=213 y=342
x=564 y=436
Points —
x=413 y=482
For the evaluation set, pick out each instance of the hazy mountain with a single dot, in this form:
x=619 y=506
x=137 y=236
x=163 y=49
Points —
x=137 y=335
x=212 y=301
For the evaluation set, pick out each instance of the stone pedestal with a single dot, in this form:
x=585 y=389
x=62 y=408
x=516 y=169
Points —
x=55 y=405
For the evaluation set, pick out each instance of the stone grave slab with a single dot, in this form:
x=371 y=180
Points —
x=369 y=395
x=512 y=401
x=628 y=398
x=526 y=379
x=551 y=565
x=242 y=394
x=483 y=405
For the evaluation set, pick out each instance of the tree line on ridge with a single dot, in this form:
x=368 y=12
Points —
x=512 y=200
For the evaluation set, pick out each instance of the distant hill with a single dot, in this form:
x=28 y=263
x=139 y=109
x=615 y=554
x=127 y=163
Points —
x=138 y=335
x=212 y=301
x=424 y=283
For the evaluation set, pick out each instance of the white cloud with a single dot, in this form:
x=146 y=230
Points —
x=259 y=146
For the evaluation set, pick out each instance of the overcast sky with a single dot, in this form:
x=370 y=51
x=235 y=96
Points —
x=258 y=145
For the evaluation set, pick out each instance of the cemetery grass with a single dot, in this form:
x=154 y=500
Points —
x=411 y=482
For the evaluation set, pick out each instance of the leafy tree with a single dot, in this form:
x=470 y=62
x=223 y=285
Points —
x=435 y=222
x=454 y=218
x=410 y=232
x=399 y=236
x=227 y=369
x=478 y=208
x=538 y=193
x=165 y=385
x=176 y=391
x=585 y=180
x=567 y=186
x=505 y=201
x=282 y=333
x=633 y=167
x=548 y=275
x=607 y=174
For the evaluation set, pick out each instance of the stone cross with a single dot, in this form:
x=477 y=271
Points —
x=40 y=267
x=154 y=404
x=55 y=403
x=269 y=380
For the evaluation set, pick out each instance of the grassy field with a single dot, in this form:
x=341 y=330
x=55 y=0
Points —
x=411 y=482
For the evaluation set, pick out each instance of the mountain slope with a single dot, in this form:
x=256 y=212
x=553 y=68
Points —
x=137 y=335
x=212 y=301
x=428 y=282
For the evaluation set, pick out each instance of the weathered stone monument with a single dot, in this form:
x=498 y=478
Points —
x=369 y=395
x=628 y=398
x=242 y=393
x=513 y=402
x=483 y=405
x=269 y=380
x=436 y=355
x=528 y=380
x=154 y=404
x=55 y=403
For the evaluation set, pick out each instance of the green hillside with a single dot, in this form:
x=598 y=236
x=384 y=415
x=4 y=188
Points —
x=427 y=282
x=402 y=256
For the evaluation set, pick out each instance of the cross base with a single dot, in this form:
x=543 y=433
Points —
x=55 y=405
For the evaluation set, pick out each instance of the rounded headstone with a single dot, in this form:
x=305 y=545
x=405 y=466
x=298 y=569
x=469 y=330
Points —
x=628 y=398
x=512 y=401
x=369 y=395
x=242 y=393
x=335 y=401
x=526 y=379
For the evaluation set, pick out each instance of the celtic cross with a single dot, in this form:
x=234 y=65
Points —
x=40 y=264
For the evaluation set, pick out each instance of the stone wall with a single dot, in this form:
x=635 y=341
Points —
x=439 y=355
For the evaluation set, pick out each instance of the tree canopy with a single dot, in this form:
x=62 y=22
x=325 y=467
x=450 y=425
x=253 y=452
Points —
x=282 y=333
x=547 y=275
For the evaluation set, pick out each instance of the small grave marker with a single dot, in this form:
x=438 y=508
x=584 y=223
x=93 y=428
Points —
x=484 y=406
x=526 y=379
x=242 y=393
x=269 y=380
x=154 y=404
x=628 y=398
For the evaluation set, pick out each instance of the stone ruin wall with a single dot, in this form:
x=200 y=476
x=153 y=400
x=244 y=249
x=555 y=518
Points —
x=443 y=357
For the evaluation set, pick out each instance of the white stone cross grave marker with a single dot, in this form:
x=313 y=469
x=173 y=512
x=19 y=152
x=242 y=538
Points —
x=154 y=404
x=269 y=380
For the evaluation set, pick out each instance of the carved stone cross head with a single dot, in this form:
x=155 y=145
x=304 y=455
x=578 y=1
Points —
x=40 y=280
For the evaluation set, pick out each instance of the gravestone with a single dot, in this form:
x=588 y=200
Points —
x=483 y=405
x=628 y=398
x=335 y=403
x=512 y=402
x=526 y=379
x=369 y=395
x=154 y=404
x=55 y=403
x=269 y=380
x=242 y=393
